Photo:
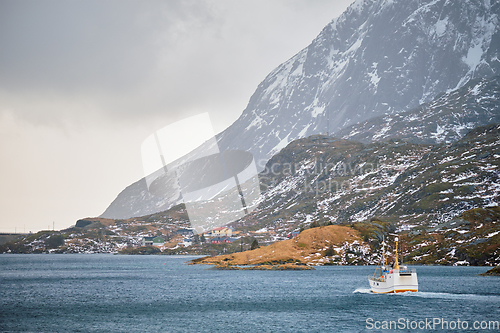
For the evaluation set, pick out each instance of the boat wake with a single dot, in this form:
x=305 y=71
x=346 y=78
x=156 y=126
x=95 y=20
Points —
x=362 y=291
x=451 y=296
x=424 y=294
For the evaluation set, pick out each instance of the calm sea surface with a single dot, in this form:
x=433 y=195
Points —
x=112 y=293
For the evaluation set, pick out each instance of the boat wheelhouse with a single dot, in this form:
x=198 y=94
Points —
x=393 y=279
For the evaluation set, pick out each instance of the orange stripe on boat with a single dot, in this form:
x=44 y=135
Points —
x=395 y=291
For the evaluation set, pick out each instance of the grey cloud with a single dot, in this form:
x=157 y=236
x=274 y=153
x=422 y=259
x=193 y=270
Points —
x=69 y=45
x=135 y=59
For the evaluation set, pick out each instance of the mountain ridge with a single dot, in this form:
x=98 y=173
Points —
x=377 y=57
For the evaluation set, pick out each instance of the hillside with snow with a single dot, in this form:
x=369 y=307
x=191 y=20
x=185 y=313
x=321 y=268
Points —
x=447 y=118
x=380 y=58
x=326 y=180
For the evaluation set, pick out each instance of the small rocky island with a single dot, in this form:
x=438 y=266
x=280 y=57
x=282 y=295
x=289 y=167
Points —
x=312 y=247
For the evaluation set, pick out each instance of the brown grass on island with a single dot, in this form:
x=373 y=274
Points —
x=495 y=271
x=295 y=253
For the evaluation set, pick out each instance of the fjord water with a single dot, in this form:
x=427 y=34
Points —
x=112 y=293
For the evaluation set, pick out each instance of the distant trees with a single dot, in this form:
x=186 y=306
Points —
x=54 y=241
x=314 y=225
x=144 y=250
x=330 y=252
x=255 y=245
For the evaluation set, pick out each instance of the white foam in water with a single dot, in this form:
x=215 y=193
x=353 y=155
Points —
x=433 y=295
x=362 y=291
x=452 y=296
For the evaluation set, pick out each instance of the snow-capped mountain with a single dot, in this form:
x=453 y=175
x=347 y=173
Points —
x=445 y=119
x=379 y=57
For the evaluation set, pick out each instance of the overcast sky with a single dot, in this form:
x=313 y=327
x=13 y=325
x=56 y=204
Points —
x=83 y=83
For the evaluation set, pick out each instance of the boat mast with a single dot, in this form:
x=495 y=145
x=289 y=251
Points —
x=396 y=265
x=383 y=251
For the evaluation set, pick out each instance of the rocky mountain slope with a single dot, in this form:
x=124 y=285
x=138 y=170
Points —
x=379 y=57
x=472 y=238
x=321 y=179
x=445 y=119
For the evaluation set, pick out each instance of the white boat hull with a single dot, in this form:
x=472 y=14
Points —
x=395 y=282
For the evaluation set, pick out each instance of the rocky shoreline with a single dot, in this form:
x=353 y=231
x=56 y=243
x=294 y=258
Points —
x=495 y=271
x=264 y=267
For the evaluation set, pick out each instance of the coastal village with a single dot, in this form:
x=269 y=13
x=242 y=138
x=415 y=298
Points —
x=218 y=235
x=165 y=232
x=315 y=244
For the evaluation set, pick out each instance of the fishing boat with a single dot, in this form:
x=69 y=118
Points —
x=393 y=278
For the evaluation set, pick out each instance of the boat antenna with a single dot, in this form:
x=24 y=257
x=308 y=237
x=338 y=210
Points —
x=396 y=265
